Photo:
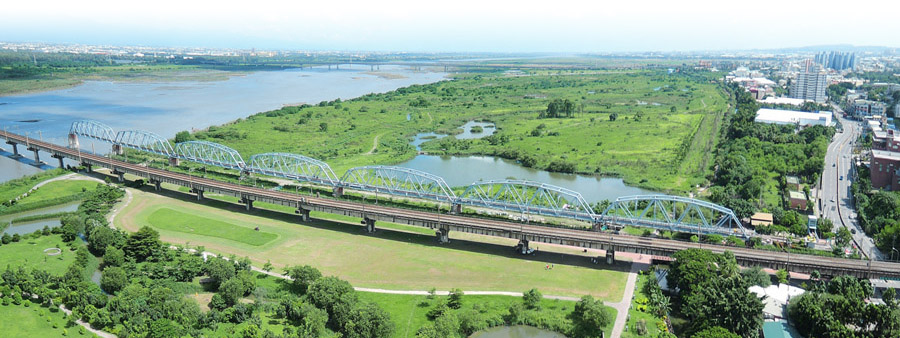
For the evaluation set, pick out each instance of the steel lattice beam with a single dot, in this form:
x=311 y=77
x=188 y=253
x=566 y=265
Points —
x=295 y=167
x=210 y=153
x=674 y=213
x=145 y=141
x=94 y=129
x=398 y=181
x=528 y=197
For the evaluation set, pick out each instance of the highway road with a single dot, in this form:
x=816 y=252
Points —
x=837 y=202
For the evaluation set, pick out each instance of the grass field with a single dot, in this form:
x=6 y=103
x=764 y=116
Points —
x=662 y=138
x=15 y=188
x=168 y=219
x=30 y=253
x=35 y=321
x=396 y=257
x=57 y=189
x=408 y=312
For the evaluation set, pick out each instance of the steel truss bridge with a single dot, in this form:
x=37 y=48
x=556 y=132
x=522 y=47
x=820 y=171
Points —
x=661 y=212
x=444 y=223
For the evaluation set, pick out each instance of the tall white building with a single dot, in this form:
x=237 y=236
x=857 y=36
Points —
x=810 y=86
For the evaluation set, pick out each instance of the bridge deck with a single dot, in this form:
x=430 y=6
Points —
x=535 y=233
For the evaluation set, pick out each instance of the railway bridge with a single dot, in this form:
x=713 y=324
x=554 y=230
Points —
x=656 y=211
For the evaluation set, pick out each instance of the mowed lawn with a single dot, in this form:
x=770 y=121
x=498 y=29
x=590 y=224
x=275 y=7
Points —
x=58 y=189
x=392 y=258
x=30 y=253
x=21 y=321
x=174 y=220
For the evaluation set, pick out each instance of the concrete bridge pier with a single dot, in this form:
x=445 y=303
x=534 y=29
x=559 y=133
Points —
x=455 y=208
x=610 y=256
x=88 y=167
x=198 y=192
x=119 y=174
x=156 y=184
x=337 y=192
x=15 y=148
x=522 y=247
x=248 y=203
x=60 y=158
x=370 y=224
x=443 y=233
x=37 y=155
x=174 y=161
x=304 y=214
x=117 y=149
x=73 y=141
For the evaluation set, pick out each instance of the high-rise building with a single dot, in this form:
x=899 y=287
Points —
x=837 y=60
x=809 y=85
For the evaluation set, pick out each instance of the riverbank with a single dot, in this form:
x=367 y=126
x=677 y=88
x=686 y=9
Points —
x=130 y=73
x=643 y=126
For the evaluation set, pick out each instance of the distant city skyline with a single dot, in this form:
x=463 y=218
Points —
x=564 y=26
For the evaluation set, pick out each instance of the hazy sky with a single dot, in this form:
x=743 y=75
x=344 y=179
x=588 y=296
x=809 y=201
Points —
x=460 y=25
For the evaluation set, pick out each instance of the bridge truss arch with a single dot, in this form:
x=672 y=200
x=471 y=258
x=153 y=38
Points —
x=528 y=197
x=145 y=141
x=398 y=181
x=675 y=213
x=294 y=167
x=210 y=153
x=93 y=129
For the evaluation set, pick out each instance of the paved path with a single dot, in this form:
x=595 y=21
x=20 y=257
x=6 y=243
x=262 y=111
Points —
x=638 y=263
x=100 y=333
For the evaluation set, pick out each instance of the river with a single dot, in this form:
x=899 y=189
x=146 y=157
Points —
x=169 y=107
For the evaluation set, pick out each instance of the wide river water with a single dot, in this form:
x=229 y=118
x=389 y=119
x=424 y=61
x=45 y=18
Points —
x=169 y=107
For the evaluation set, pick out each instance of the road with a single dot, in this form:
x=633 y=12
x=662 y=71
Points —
x=837 y=203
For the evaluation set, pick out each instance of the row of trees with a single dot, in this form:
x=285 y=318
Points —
x=714 y=295
x=751 y=153
x=838 y=308
x=878 y=214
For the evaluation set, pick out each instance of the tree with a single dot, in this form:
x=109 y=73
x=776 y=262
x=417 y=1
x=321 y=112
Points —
x=232 y=290
x=715 y=332
x=370 y=321
x=219 y=270
x=589 y=317
x=724 y=302
x=183 y=136
x=113 y=256
x=99 y=238
x=113 y=279
x=756 y=276
x=163 y=328
x=843 y=238
x=783 y=276
x=268 y=266
x=613 y=116
x=455 y=300
x=532 y=299
x=333 y=295
x=693 y=268
x=323 y=127
x=142 y=244
x=302 y=276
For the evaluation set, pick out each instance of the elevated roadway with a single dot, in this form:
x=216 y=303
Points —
x=444 y=223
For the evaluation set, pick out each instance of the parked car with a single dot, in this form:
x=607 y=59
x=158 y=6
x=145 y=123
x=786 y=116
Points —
x=841 y=178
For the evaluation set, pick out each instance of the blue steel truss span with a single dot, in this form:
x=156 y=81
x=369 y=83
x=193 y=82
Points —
x=528 y=197
x=294 y=167
x=145 y=141
x=210 y=153
x=654 y=211
x=681 y=214
x=93 y=129
x=399 y=181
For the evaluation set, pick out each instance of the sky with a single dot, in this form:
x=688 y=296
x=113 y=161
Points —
x=561 y=26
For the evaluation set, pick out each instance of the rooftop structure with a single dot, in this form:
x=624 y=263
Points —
x=761 y=219
x=776 y=298
x=782 y=100
x=777 y=116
